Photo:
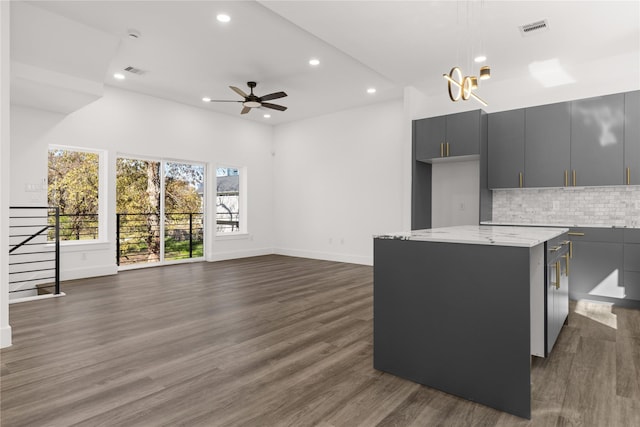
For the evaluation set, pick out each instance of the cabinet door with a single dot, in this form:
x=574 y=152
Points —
x=506 y=149
x=463 y=133
x=632 y=270
x=597 y=140
x=596 y=270
x=547 y=145
x=557 y=299
x=632 y=137
x=429 y=134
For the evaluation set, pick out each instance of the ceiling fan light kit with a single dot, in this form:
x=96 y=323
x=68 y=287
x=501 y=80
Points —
x=254 y=101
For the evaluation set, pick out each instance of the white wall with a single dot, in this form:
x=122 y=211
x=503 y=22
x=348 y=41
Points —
x=5 y=329
x=123 y=122
x=338 y=180
x=455 y=198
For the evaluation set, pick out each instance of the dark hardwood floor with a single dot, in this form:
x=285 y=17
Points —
x=273 y=341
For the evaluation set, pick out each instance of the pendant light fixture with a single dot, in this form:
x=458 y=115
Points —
x=460 y=86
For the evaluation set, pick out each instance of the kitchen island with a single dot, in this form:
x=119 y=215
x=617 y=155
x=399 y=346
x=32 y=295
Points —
x=462 y=309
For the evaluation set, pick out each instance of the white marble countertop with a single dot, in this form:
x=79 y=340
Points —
x=501 y=223
x=527 y=237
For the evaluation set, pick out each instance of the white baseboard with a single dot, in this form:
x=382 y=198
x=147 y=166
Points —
x=83 y=273
x=222 y=256
x=326 y=256
x=5 y=336
x=36 y=298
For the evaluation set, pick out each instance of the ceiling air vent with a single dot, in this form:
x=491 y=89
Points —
x=135 y=70
x=534 y=27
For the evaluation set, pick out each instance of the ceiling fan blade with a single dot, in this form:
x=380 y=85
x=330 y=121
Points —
x=245 y=110
x=238 y=91
x=274 y=95
x=274 y=106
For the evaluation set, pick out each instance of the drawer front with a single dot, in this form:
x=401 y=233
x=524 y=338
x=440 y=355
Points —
x=632 y=235
x=631 y=257
x=588 y=234
x=632 y=284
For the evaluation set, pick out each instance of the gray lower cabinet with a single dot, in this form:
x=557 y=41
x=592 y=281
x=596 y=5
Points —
x=557 y=285
x=596 y=269
x=548 y=145
x=632 y=138
x=455 y=317
x=632 y=263
x=506 y=149
x=597 y=141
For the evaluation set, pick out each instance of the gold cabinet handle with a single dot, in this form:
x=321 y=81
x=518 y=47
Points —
x=575 y=233
x=570 y=243
x=574 y=178
x=520 y=174
x=555 y=249
x=628 y=176
x=566 y=178
x=557 y=283
x=447 y=149
x=566 y=259
x=442 y=149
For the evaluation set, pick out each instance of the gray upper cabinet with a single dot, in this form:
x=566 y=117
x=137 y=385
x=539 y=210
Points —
x=597 y=144
x=632 y=138
x=548 y=145
x=429 y=136
x=506 y=149
x=463 y=133
x=447 y=136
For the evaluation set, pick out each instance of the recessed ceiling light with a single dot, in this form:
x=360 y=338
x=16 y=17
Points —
x=223 y=17
x=206 y=99
x=133 y=34
x=480 y=58
x=314 y=62
x=266 y=116
x=371 y=90
x=118 y=76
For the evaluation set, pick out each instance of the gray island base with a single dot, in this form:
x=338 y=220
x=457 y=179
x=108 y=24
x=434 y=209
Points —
x=453 y=310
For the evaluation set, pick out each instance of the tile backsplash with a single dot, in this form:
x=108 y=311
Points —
x=597 y=206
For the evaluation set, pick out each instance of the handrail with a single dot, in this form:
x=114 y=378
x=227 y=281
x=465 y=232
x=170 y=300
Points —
x=23 y=271
x=30 y=238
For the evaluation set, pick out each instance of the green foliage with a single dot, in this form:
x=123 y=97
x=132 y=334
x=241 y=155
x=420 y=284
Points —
x=73 y=178
x=138 y=192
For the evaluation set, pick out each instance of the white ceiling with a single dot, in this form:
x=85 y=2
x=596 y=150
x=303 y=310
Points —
x=388 y=45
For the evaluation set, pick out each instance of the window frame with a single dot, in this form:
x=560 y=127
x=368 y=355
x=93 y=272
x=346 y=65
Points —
x=102 y=192
x=242 y=203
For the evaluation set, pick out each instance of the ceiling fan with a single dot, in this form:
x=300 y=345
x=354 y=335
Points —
x=253 y=101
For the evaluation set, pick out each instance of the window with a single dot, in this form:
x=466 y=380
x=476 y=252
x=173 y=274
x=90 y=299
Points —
x=74 y=187
x=228 y=200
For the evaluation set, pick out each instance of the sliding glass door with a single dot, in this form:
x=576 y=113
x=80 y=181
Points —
x=159 y=211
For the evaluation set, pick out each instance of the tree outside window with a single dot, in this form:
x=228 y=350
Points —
x=73 y=186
